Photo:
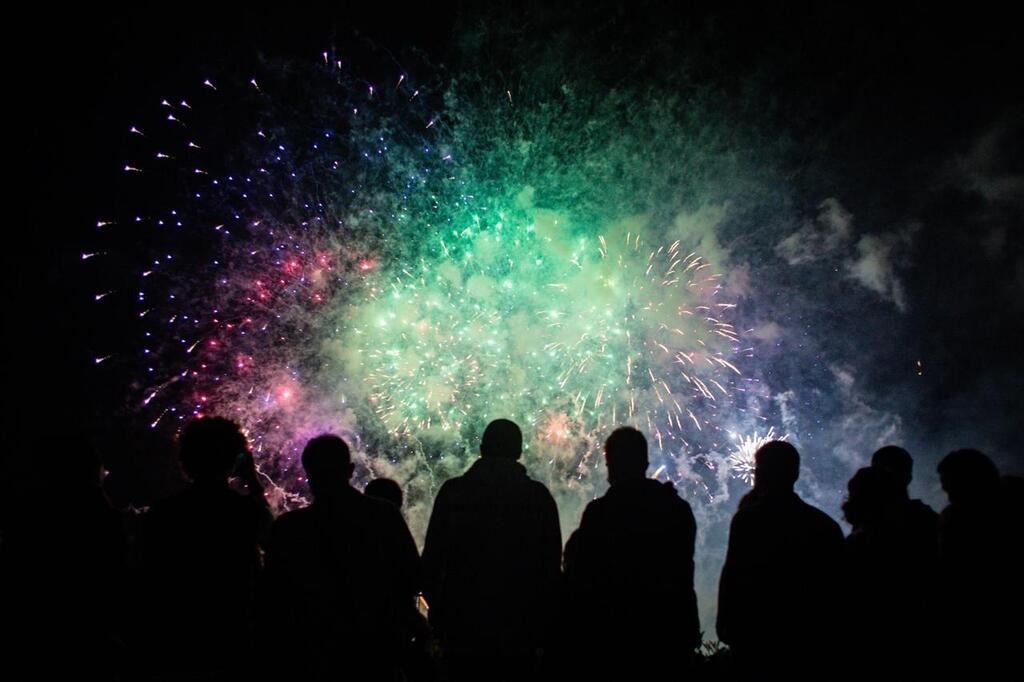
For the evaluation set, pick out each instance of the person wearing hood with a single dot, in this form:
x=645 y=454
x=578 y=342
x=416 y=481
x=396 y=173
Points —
x=629 y=569
x=491 y=563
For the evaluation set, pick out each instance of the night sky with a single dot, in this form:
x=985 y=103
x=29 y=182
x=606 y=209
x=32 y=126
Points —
x=854 y=173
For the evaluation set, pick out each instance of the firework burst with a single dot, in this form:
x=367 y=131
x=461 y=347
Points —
x=336 y=255
x=741 y=461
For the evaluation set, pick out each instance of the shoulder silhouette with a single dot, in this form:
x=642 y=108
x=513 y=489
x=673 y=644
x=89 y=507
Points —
x=780 y=581
x=341 y=574
x=385 y=489
x=629 y=571
x=890 y=556
x=969 y=526
x=491 y=562
x=201 y=554
x=897 y=462
x=979 y=552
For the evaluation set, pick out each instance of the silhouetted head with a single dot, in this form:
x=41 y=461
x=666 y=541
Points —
x=896 y=462
x=502 y=438
x=328 y=463
x=209 y=449
x=625 y=453
x=968 y=476
x=385 y=489
x=776 y=466
x=873 y=493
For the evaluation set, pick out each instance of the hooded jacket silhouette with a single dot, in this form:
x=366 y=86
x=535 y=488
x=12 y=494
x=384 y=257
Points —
x=629 y=570
x=491 y=560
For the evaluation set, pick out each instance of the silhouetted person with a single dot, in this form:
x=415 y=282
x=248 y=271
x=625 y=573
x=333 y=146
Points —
x=64 y=569
x=341 y=576
x=889 y=577
x=201 y=554
x=417 y=660
x=491 y=563
x=778 y=594
x=978 y=543
x=897 y=462
x=629 y=572
x=385 y=489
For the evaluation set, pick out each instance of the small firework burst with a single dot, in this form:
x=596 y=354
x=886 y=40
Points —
x=741 y=461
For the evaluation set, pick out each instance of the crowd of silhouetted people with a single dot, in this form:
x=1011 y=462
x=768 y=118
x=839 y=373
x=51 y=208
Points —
x=214 y=587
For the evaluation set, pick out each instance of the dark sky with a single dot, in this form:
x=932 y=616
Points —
x=911 y=115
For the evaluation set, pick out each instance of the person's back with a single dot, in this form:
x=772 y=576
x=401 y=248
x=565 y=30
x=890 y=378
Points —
x=201 y=556
x=920 y=521
x=418 y=662
x=204 y=540
x=976 y=543
x=340 y=575
x=491 y=559
x=969 y=527
x=629 y=569
x=779 y=589
x=889 y=576
x=891 y=563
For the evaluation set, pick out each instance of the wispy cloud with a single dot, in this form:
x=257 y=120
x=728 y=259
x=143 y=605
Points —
x=879 y=258
x=872 y=260
x=831 y=230
x=863 y=427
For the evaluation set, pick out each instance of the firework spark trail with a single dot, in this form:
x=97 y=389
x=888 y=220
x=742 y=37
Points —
x=358 y=262
x=741 y=461
x=262 y=246
x=480 y=327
